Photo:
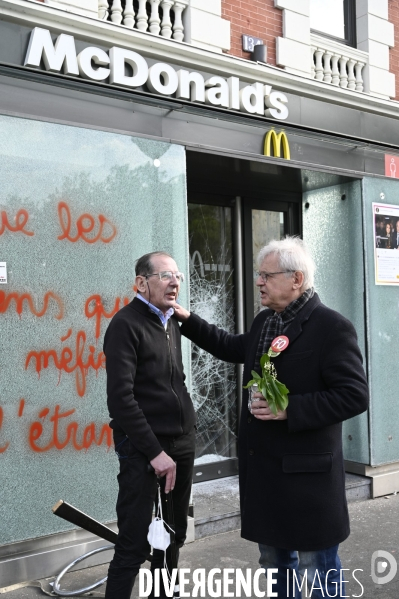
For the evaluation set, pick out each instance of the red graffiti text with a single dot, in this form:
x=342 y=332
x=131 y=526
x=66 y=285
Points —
x=84 y=225
x=94 y=309
x=70 y=359
x=21 y=298
x=4 y=447
x=46 y=435
x=21 y=219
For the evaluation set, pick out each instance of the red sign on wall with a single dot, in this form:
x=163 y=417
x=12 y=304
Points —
x=392 y=166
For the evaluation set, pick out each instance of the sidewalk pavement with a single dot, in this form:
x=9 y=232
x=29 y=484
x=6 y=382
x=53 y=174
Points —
x=375 y=526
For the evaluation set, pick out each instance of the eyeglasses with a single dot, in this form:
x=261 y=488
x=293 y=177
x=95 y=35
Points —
x=167 y=275
x=265 y=275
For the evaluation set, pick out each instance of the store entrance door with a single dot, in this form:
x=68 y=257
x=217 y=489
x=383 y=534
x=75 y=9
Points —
x=225 y=236
x=263 y=220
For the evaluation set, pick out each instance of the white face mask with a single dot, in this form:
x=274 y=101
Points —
x=158 y=537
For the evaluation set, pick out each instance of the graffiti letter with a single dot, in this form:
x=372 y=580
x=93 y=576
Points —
x=2 y=447
x=21 y=219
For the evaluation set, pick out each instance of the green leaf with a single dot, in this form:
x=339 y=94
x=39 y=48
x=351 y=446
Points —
x=282 y=388
x=256 y=375
x=276 y=392
x=265 y=359
x=271 y=392
x=248 y=385
x=284 y=403
x=273 y=408
x=264 y=390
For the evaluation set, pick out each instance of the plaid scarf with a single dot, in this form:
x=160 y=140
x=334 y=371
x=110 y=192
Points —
x=275 y=324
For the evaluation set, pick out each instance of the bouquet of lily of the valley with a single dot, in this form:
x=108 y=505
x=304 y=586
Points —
x=275 y=393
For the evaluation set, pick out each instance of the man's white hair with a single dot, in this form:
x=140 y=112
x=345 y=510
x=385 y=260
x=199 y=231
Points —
x=292 y=254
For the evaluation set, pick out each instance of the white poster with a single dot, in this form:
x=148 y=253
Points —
x=3 y=272
x=386 y=243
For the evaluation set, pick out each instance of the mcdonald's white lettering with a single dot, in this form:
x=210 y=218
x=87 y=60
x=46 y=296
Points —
x=161 y=78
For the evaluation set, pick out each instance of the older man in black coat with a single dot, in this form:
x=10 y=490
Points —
x=292 y=480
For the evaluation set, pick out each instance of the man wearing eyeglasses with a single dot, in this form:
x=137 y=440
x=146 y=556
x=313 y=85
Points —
x=152 y=416
x=292 y=481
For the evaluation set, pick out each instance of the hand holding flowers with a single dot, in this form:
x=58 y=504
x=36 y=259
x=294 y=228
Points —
x=273 y=395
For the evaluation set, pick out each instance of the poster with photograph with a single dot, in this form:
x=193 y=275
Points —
x=386 y=244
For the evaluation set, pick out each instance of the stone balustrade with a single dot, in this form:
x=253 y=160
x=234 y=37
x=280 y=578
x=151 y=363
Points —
x=337 y=63
x=160 y=17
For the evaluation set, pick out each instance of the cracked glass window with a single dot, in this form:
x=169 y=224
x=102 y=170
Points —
x=214 y=384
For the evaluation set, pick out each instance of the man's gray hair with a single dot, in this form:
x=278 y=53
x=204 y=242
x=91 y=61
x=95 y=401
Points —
x=292 y=254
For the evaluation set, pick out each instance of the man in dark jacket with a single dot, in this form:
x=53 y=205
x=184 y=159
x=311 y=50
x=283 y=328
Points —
x=292 y=480
x=152 y=417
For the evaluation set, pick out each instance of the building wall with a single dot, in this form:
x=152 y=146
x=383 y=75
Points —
x=258 y=18
x=393 y=17
x=284 y=25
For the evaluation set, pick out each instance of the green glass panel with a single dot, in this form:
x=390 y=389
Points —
x=383 y=334
x=77 y=207
x=332 y=229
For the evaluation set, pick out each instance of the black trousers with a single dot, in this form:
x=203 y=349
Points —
x=137 y=493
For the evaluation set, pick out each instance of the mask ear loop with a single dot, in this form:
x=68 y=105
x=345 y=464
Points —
x=160 y=516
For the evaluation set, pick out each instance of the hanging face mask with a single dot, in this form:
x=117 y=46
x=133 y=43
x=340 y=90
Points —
x=158 y=537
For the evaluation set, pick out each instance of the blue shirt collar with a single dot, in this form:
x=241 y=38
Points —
x=163 y=317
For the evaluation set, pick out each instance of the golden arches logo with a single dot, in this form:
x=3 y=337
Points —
x=278 y=140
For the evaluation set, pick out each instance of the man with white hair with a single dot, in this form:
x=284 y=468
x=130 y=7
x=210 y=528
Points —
x=292 y=479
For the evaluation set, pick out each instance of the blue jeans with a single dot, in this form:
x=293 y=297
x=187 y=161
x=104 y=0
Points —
x=301 y=569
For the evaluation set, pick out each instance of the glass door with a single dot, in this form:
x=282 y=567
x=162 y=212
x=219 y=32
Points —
x=214 y=388
x=266 y=226
x=225 y=236
x=263 y=222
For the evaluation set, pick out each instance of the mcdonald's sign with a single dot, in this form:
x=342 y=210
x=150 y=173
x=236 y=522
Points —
x=278 y=139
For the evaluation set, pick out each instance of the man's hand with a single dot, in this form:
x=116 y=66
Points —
x=181 y=313
x=165 y=466
x=260 y=409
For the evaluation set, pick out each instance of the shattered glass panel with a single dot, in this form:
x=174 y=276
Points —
x=77 y=208
x=214 y=387
x=266 y=226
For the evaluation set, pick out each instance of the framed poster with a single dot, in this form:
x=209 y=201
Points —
x=386 y=243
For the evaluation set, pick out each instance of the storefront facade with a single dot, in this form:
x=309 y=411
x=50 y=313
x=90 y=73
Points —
x=101 y=166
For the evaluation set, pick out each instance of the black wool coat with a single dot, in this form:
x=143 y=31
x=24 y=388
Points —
x=292 y=479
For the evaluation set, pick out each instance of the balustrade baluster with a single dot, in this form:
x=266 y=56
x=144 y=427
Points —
x=178 y=29
x=141 y=17
x=116 y=12
x=154 y=18
x=166 y=25
x=312 y=61
x=351 y=74
x=319 y=74
x=359 y=77
x=327 y=66
x=128 y=14
x=334 y=69
x=343 y=76
x=103 y=10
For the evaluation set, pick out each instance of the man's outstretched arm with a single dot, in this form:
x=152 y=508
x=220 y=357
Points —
x=218 y=342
